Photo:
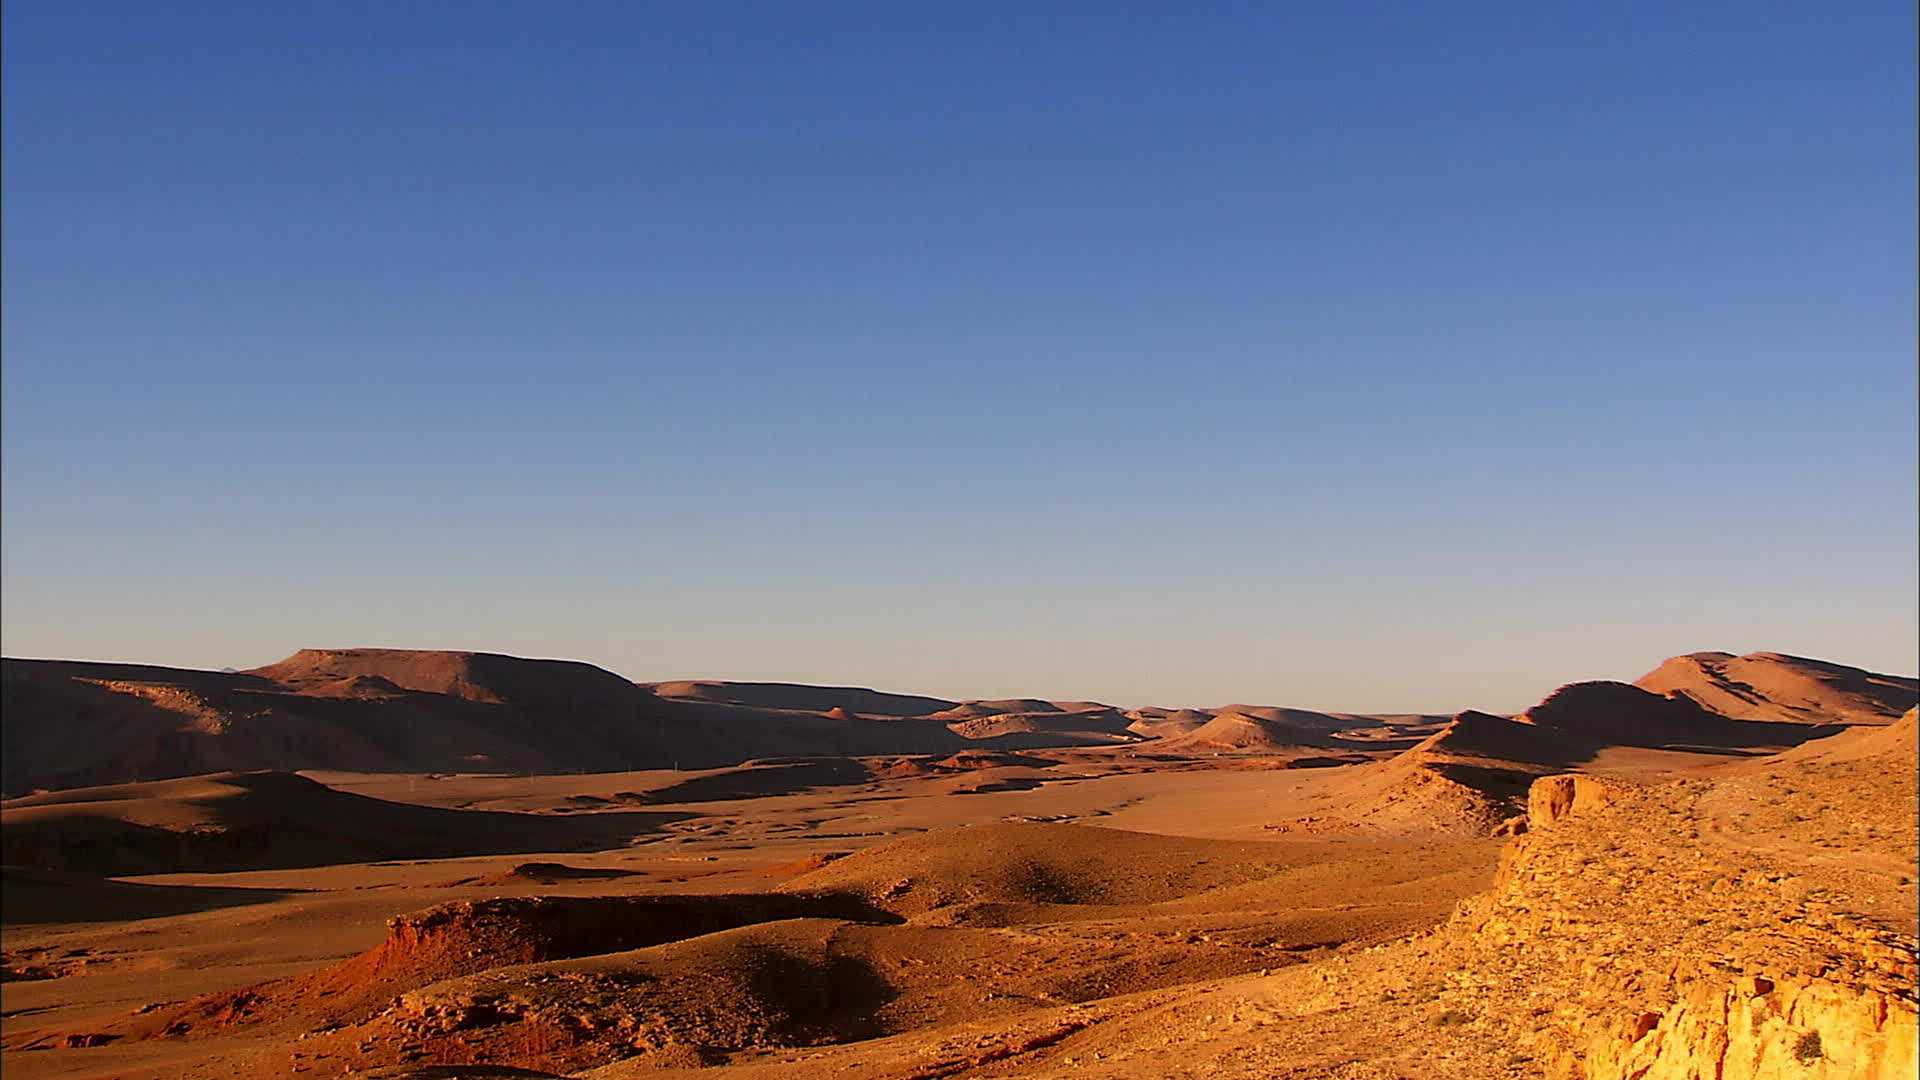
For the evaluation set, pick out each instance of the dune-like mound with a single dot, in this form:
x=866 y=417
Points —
x=456 y=1073
x=553 y=873
x=1024 y=864
x=1156 y=723
x=1242 y=733
x=1412 y=797
x=1465 y=779
x=972 y=760
x=1304 y=719
x=1473 y=774
x=964 y=763
x=1052 y=726
x=1617 y=712
x=1019 y=705
x=802 y=698
x=966 y=711
x=356 y=686
x=1034 y=707
x=1775 y=686
x=262 y=820
x=1474 y=734
x=1897 y=744
x=759 y=779
x=988 y=727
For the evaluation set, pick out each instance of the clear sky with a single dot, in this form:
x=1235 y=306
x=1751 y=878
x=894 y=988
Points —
x=1368 y=356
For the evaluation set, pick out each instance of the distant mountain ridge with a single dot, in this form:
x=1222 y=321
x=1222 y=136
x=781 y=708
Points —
x=73 y=723
x=78 y=723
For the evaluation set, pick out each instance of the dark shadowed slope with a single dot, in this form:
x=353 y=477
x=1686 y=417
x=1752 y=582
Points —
x=1621 y=714
x=53 y=896
x=245 y=821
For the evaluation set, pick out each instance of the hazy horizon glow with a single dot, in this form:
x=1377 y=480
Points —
x=1349 y=360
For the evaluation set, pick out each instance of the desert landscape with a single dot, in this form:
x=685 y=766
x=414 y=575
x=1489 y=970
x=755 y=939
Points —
x=974 y=541
x=419 y=864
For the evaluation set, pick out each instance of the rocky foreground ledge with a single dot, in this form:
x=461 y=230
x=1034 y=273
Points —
x=1657 y=938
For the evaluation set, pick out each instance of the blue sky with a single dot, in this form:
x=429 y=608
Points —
x=1337 y=355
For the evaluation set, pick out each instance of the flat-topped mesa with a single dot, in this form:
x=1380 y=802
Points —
x=490 y=678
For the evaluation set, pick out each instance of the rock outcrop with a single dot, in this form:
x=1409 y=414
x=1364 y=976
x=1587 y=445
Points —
x=1554 y=797
x=1760 y=1029
x=1655 y=940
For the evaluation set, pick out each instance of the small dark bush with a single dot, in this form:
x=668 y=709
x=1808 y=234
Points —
x=1807 y=1049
